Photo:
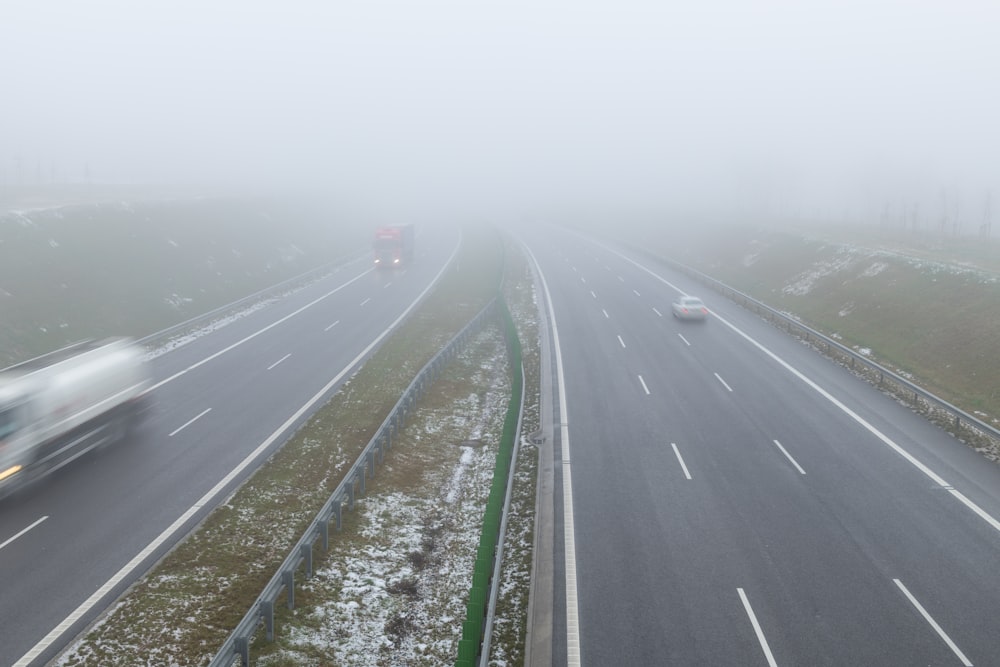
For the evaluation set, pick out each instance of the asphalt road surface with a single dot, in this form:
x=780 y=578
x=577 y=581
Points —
x=74 y=541
x=724 y=495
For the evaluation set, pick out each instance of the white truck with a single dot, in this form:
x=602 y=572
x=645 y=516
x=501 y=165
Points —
x=57 y=407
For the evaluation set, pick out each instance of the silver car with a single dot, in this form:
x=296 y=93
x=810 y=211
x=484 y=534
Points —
x=687 y=307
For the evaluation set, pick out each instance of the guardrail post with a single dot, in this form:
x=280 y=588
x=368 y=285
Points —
x=324 y=532
x=267 y=610
x=337 y=506
x=306 y=552
x=288 y=577
x=361 y=478
x=350 y=497
x=371 y=458
x=243 y=649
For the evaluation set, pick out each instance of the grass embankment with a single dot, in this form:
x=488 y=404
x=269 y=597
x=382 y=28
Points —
x=182 y=611
x=927 y=308
x=133 y=268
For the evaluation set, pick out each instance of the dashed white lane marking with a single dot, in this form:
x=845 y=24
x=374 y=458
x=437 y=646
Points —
x=189 y=422
x=933 y=624
x=10 y=539
x=680 y=460
x=789 y=456
x=757 y=629
x=279 y=361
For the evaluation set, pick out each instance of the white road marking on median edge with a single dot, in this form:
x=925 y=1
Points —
x=644 y=387
x=365 y=301
x=332 y=325
x=279 y=361
x=684 y=339
x=636 y=292
x=188 y=423
x=606 y=316
x=621 y=341
x=933 y=624
x=22 y=532
x=569 y=529
x=757 y=628
x=175 y=527
x=593 y=294
x=785 y=452
x=657 y=312
x=681 y=460
x=723 y=382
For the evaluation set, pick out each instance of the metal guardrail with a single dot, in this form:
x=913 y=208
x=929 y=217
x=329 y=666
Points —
x=237 y=645
x=204 y=319
x=937 y=409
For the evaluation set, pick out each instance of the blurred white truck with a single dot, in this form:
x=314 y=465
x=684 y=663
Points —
x=57 y=407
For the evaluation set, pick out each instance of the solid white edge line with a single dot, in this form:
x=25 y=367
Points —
x=757 y=629
x=272 y=366
x=975 y=508
x=680 y=460
x=644 y=387
x=933 y=624
x=789 y=457
x=209 y=497
x=189 y=422
x=569 y=530
x=983 y=514
x=21 y=532
x=719 y=377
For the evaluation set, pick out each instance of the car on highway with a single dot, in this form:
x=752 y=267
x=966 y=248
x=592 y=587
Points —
x=687 y=307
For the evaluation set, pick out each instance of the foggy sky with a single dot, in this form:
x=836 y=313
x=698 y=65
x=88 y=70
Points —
x=829 y=108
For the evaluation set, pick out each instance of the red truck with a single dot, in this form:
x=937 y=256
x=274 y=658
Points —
x=393 y=246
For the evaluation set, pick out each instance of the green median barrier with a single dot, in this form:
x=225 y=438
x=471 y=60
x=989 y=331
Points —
x=472 y=630
x=467 y=650
x=476 y=607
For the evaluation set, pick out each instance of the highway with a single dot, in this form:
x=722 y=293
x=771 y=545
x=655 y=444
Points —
x=70 y=544
x=724 y=495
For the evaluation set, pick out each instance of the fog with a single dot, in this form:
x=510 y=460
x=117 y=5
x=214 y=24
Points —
x=833 y=109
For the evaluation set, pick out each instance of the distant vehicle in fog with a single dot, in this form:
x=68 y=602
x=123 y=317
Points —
x=393 y=246
x=56 y=407
x=688 y=307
